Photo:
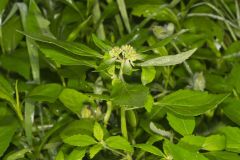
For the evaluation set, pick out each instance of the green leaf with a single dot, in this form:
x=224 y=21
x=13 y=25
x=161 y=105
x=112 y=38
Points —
x=18 y=154
x=10 y=37
x=231 y=110
x=127 y=67
x=206 y=26
x=20 y=59
x=210 y=143
x=60 y=155
x=34 y=60
x=106 y=64
x=98 y=131
x=192 y=143
x=123 y=11
x=222 y=155
x=178 y=153
x=79 y=140
x=33 y=22
x=6 y=91
x=118 y=142
x=45 y=92
x=234 y=78
x=150 y=148
x=74 y=34
x=232 y=135
x=193 y=39
x=95 y=149
x=74 y=102
x=132 y=118
x=214 y=143
x=129 y=94
x=74 y=48
x=73 y=5
x=101 y=44
x=3 y=4
x=168 y=60
x=221 y=87
x=233 y=48
x=61 y=57
x=158 y=12
x=96 y=12
x=182 y=125
x=163 y=42
x=148 y=75
x=5 y=86
x=8 y=126
x=82 y=126
x=149 y=103
x=77 y=154
x=191 y=103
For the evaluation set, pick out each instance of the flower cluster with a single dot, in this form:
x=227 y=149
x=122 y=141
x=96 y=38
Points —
x=125 y=51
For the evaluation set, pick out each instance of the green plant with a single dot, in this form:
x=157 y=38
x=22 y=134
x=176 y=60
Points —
x=133 y=80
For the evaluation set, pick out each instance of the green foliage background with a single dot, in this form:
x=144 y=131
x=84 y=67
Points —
x=119 y=79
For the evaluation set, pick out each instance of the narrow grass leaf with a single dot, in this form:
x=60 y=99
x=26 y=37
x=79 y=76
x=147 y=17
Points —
x=75 y=48
x=123 y=11
x=97 y=20
x=63 y=58
x=29 y=110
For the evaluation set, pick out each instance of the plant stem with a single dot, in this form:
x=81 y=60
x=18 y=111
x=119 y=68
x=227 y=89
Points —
x=17 y=106
x=108 y=113
x=121 y=71
x=115 y=151
x=28 y=120
x=1 y=35
x=123 y=122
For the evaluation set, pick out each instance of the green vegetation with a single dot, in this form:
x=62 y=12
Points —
x=119 y=80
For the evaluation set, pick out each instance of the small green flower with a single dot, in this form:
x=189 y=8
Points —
x=115 y=52
x=129 y=52
x=124 y=53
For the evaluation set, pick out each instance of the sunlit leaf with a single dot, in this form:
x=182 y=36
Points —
x=168 y=60
x=190 y=103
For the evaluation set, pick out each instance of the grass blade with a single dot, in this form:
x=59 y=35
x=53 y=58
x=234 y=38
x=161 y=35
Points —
x=123 y=11
x=96 y=18
x=28 y=120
